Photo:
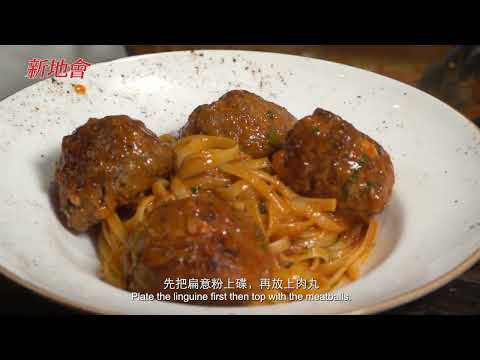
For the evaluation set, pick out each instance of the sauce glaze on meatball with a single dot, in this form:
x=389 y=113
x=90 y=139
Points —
x=259 y=126
x=325 y=156
x=106 y=163
x=196 y=238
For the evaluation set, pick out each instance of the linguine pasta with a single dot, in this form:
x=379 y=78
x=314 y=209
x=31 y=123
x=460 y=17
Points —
x=308 y=237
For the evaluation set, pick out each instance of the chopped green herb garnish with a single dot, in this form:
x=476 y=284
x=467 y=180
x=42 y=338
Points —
x=274 y=138
x=346 y=186
x=262 y=207
x=353 y=178
x=371 y=184
x=195 y=189
x=316 y=130
x=364 y=159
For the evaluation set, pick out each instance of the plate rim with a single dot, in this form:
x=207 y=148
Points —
x=387 y=304
x=381 y=306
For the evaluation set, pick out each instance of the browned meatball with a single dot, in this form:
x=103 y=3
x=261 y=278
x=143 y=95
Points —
x=106 y=163
x=259 y=126
x=201 y=237
x=325 y=156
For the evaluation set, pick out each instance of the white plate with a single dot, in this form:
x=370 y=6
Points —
x=429 y=234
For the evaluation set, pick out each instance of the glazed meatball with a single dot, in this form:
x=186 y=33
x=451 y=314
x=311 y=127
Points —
x=325 y=156
x=259 y=126
x=200 y=237
x=106 y=163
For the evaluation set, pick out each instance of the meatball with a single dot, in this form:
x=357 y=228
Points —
x=259 y=126
x=200 y=237
x=325 y=156
x=107 y=163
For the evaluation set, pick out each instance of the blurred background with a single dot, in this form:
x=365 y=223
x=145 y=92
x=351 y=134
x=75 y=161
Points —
x=437 y=69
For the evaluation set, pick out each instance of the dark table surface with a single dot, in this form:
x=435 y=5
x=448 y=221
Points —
x=460 y=297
